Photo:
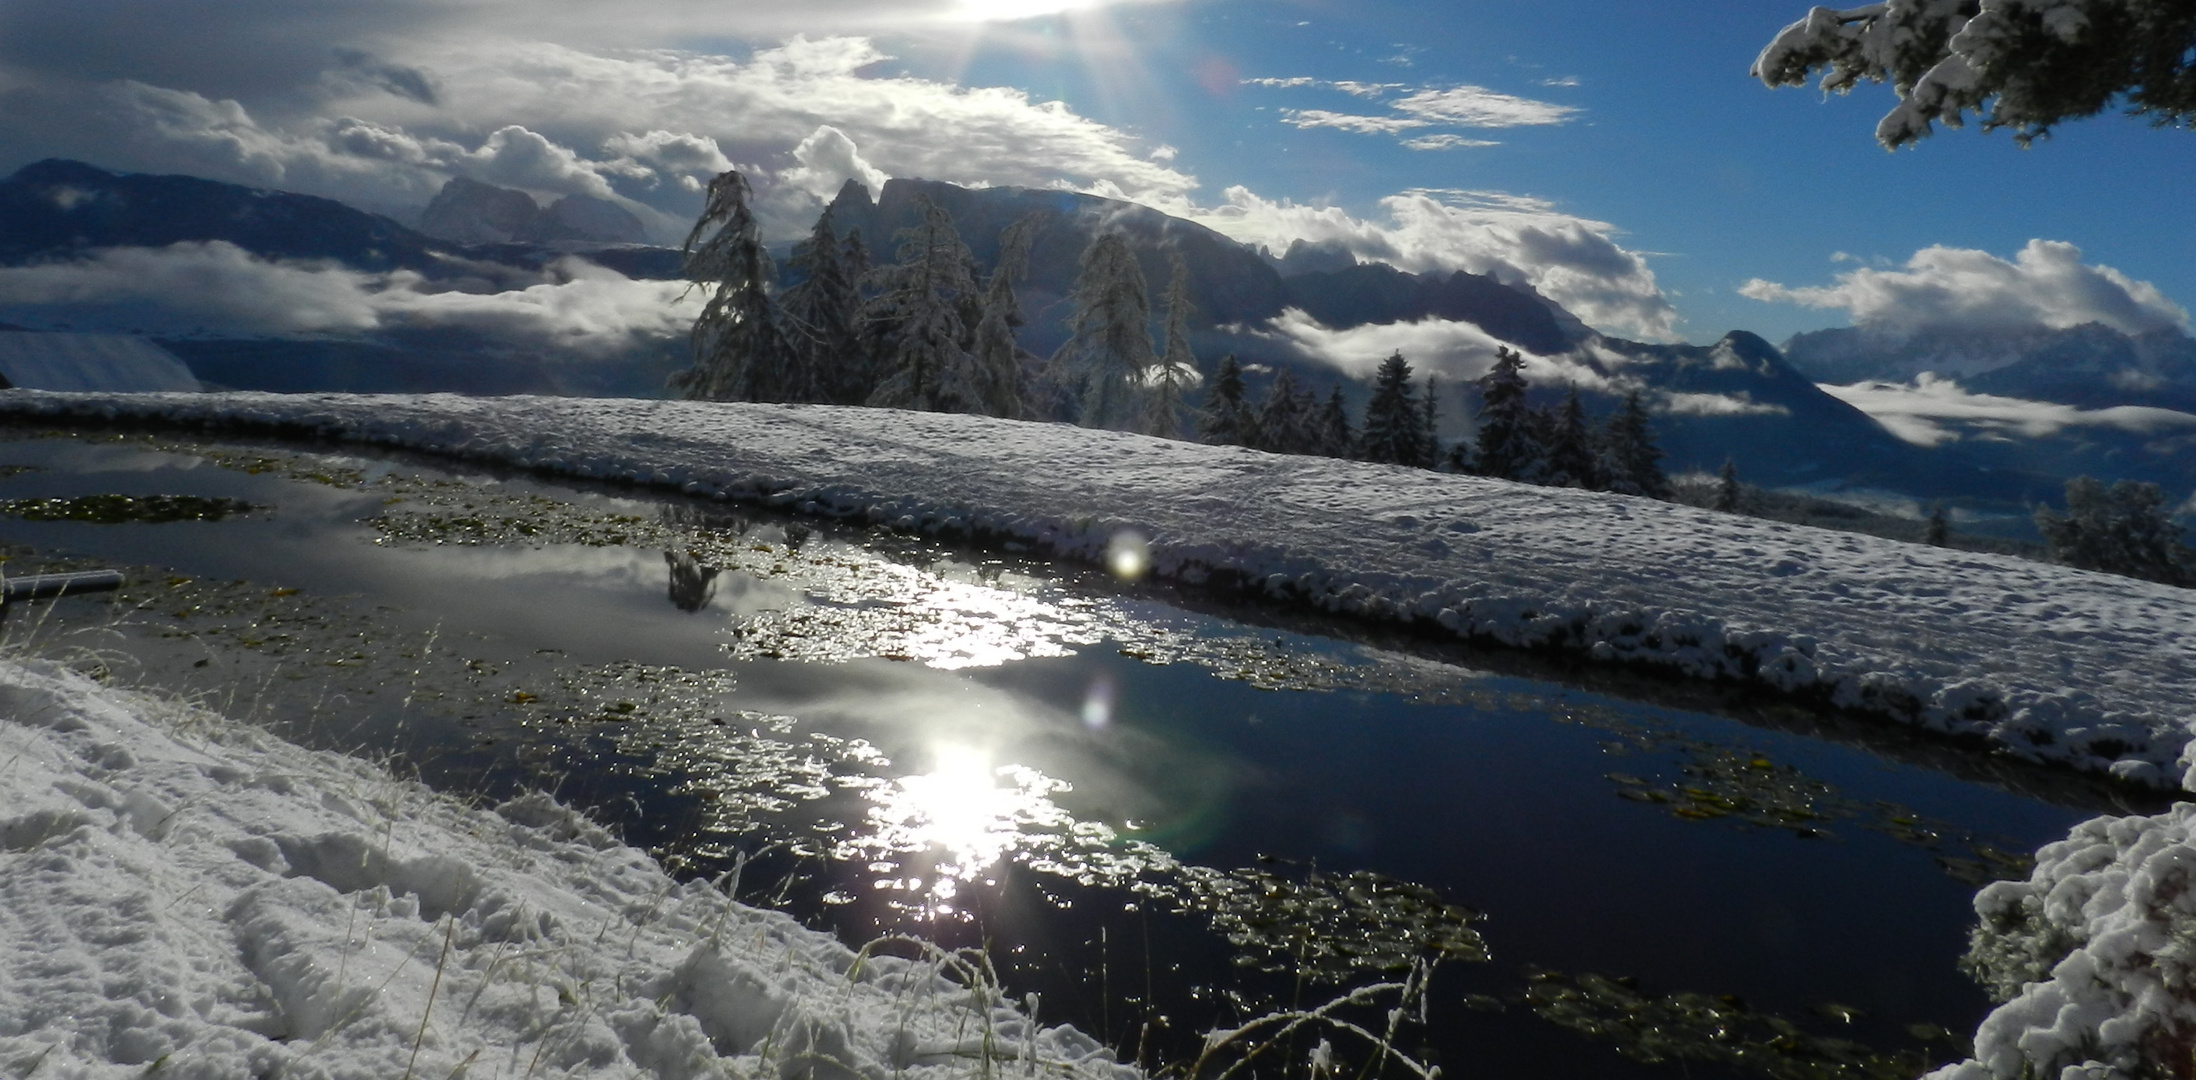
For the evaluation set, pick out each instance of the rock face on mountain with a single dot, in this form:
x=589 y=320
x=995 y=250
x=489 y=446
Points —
x=2091 y=365
x=469 y=212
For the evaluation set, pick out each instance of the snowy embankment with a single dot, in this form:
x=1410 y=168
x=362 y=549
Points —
x=183 y=895
x=2094 y=671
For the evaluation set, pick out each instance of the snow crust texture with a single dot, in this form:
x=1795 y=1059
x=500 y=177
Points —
x=183 y=894
x=2094 y=957
x=2042 y=662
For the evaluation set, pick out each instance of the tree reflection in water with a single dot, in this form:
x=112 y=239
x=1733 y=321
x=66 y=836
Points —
x=692 y=584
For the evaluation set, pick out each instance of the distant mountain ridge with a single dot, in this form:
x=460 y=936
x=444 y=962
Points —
x=2091 y=365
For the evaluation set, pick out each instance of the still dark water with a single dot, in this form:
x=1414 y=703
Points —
x=1159 y=816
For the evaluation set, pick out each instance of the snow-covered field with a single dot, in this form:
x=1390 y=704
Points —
x=187 y=896
x=2095 y=671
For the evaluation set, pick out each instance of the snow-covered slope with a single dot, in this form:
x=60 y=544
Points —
x=2046 y=662
x=198 y=899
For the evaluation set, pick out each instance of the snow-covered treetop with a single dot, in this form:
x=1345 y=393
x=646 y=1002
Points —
x=2019 y=64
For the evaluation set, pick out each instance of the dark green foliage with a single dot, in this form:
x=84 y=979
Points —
x=1226 y=419
x=1430 y=405
x=822 y=316
x=1572 y=461
x=1509 y=442
x=741 y=352
x=926 y=311
x=1335 y=436
x=1728 y=489
x=1287 y=417
x=2123 y=529
x=1631 y=461
x=1395 y=424
x=2019 y=72
x=1937 y=532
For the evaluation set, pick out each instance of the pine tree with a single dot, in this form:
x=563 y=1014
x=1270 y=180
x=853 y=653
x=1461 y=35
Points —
x=1226 y=419
x=1395 y=425
x=1176 y=373
x=1630 y=459
x=1510 y=447
x=1937 y=531
x=921 y=307
x=741 y=352
x=1571 y=458
x=1108 y=354
x=822 y=313
x=1728 y=489
x=2123 y=529
x=1287 y=417
x=1002 y=388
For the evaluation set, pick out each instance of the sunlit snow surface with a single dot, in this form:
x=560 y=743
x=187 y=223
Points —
x=2048 y=663
x=189 y=897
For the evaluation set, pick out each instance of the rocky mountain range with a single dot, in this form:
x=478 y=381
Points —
x=2091 y=365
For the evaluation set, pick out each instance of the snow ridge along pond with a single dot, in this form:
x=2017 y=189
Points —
x=194 y=897
x=2045 y=663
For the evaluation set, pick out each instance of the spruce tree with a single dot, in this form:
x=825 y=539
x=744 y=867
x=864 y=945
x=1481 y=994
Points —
x=1937 y=531
x=1395 y=426
x=920 y=307
x=741 y=352
x=2123 y=529
x=1335 y=437
x=1002 y=388
x=1571 y=458
x=1226 y=419
x=1509 y=441
x=1728 y=489
x=1176 y=373
x=823 y=314
x=1108 y=354
x=1430 y=451
x=1630 y=459
x=1286 y=417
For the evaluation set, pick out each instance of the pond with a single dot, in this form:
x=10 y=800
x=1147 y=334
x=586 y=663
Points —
x=1157 y=813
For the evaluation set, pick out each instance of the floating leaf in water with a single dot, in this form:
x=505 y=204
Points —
x=125 y=509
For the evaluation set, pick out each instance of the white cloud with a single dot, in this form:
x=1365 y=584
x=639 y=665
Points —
x=1362 y=125
x=1447 y=142
x=1945 y=288
x=1678 y=403
x=826 y=160
x=1571 y=260
x=1931 y=411
x=1453 y=351
x=576 y=307
x=1477 y=106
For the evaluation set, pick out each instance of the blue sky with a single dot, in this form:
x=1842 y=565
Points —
x=1616 y=156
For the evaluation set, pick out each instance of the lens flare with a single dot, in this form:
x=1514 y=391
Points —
x=1128 y=555
x=1098 y=703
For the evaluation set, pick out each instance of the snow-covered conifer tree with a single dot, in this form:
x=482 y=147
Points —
x=1287 y=417
x=741 y=352
x=1001 y=384
x=1395 y=425
x=1108 y=352
x=920 y=307
x=1335 y=437
x=1937 y=530
x=1571 y=458
x=1175 y=375
x=1226 y=419
x=1728 y=488
x=1509 y=440
x=2123 y=529
x=822 y=313
x=1630 y=459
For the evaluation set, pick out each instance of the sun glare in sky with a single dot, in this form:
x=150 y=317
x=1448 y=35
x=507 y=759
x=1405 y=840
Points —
x=1012 y=10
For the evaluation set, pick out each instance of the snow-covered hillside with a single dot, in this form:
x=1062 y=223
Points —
x=2045 y=662
x=185 y=896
